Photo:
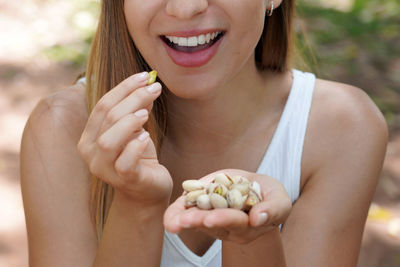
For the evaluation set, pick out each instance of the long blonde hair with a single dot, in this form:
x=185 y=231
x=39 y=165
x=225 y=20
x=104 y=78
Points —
x=114 y=57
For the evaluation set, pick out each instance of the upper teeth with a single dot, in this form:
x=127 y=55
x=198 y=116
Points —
x=193 y=40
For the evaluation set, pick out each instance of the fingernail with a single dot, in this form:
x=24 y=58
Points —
x=208 y=224
x=154 y=88
x=141 y=112
x=185 y=225
x=143 y=136
x=262 y=218
x=143 y=76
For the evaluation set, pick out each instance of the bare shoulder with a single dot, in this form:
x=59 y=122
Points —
x=55 y=182
x=65 y=108
x=346 y=100
x=342 y=117
x=55 y=126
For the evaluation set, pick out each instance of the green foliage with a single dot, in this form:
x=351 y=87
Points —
x=74 y=53
x=359 y=46
x=83 y=20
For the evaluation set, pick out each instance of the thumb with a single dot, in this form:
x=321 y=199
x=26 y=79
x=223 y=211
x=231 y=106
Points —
x=272 y=211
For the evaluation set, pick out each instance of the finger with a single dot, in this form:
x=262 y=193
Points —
x=102 y=167
x=272 y=211
x=108 y=101
x=138 y=99
x=226 y=218
x=118 y=135
x=171 y=215
x=193 y=217
x=126 y=163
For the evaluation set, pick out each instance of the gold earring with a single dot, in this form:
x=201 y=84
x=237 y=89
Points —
x=269 y=11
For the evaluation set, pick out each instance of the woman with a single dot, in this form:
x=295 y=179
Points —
x=227 y=101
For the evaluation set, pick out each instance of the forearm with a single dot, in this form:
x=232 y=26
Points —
x=133 y=235
x=265 y=251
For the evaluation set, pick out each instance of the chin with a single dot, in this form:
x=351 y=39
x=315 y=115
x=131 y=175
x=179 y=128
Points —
x=191 y=86
x=192 y=89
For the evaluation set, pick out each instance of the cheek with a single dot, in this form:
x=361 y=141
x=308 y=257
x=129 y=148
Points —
x=249 y=21
x=134 y=22
x=247 y=25
x=138 y=15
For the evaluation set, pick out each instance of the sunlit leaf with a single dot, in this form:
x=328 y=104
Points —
x=378 y=213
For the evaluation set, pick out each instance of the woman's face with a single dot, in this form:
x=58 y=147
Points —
x=196 y=45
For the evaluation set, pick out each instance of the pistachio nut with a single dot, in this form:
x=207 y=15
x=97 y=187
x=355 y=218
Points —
x=243 y=188
x=192 y=185
x=152 y=77
x=218 y=201
x=256 y=188
x=204 y=202
x=191 y=197
x=251 y=200
x=219 y=189
x=222 y=178
x=238 y=179
x=210 y=187
x=235 y=199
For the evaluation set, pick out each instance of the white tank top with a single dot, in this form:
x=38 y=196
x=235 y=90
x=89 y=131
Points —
x=282 y=161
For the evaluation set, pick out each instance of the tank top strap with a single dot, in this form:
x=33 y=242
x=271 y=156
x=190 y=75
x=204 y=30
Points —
x=283 y=157
x=81 y=80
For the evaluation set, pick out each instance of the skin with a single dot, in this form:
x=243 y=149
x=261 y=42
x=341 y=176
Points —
x=342 y=156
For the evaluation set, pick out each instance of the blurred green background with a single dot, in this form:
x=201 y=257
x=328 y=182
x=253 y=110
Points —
x=44 y=45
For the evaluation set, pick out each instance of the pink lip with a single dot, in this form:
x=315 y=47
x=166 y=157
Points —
x=191 y=60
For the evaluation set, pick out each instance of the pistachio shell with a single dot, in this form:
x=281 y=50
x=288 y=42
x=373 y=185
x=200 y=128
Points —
x=235 y=199
x=203 y=202
x=238 y=179
x=222 y=178
x=256 y=188
x=210 y=187
x=251 y=200
x=217 y=188
x=192 y=185
x=243 y=188
x=218 y=201
x=220 y=189
x=191 y=197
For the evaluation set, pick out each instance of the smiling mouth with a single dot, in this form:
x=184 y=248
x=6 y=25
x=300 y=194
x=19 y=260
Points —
x=194 y=43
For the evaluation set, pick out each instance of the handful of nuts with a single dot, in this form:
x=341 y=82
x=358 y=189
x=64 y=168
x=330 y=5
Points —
x=235 y=192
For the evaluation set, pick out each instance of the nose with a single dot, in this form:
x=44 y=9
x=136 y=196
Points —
x=186 y=9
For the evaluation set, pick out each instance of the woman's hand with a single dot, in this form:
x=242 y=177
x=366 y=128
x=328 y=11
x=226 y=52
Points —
x=231 y=224
x=118 y=150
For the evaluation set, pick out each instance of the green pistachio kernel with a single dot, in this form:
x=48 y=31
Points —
x=152 y=77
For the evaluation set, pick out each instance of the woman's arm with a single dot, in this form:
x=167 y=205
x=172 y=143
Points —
x=267 y=250
x=56 y=184
x=56 y=187
x=346 y=144
x=133 y=235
